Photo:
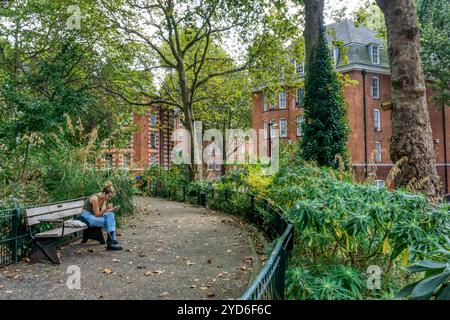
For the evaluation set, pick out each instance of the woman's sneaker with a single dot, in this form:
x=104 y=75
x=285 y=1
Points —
x=113 y=247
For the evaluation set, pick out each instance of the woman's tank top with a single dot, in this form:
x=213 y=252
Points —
x=87 y=206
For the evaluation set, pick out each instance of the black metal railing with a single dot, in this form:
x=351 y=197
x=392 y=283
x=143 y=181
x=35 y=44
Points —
x=13 y=238
x=269 y=218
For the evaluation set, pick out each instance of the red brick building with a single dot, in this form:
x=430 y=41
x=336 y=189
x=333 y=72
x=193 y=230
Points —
x=150 y=145
x=370 y=125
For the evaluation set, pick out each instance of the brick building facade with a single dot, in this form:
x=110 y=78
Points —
x=370 y=125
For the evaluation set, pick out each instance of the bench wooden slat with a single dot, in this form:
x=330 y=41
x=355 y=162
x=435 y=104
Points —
x=57 y=232
x=30 y=212
x=56 y=215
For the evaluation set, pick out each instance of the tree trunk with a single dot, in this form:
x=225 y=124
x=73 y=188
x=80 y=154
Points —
x=313 y=27
x=411 y=129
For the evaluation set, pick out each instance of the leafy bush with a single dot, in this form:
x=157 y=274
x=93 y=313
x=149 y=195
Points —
x=339 y=222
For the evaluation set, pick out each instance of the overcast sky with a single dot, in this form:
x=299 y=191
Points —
x=349 y=5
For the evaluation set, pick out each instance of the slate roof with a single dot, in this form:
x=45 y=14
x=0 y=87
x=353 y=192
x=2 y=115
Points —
x=348 y=33
x=356 y=41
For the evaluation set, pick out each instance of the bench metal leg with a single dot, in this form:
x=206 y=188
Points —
x=93 y=233
x=44 y=250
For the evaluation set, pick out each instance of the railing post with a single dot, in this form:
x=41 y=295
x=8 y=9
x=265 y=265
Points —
x=266 y=209
x=281 y=274
x=277 y=222
x=252 y=211
x=15 y=226
x=203 y=199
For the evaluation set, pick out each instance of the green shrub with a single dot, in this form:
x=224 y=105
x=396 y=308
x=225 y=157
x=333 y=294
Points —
x=343 y=223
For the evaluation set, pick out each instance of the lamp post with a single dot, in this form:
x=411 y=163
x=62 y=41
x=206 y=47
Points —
x=270 y=138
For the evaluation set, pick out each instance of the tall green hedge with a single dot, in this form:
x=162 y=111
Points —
x=325 y=127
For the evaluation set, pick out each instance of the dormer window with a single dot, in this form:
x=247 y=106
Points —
x=335 y=55
x=300 y=68
x=374 y=53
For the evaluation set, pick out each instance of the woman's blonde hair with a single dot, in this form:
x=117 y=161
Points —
x=109 y=188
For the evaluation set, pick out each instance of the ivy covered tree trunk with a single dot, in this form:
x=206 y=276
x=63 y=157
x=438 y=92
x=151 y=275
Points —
x=325 y=130
x=411 y=129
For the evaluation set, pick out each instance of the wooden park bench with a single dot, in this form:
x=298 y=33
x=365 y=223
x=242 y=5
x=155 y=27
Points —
x=43 y=244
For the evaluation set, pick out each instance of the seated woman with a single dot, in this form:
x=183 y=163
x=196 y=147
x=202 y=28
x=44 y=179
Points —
x=98 y=213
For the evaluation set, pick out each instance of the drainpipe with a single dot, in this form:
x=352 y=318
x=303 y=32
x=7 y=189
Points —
x=168 y=138
x=363 y=72
x=445 y=148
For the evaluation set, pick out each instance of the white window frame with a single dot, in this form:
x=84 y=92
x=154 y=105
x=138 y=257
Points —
x=375 y=54
x=298 y=103
x=152 y=118
x=152 y=160
x=264 y=102
x=282 y=100
x=217 y=165
x=378 y=151
x=376 y=94
x=377 y=119
x=300 y=68
x=285 y=133
x=210 y=165
x=379 y=183
x=153 y=146
x=299 y=122
x=126 y=155
x=335 y=55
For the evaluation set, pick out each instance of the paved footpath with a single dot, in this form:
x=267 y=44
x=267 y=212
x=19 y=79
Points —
x=172 y=250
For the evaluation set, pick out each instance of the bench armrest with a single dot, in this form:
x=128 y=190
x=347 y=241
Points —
x=52 y=220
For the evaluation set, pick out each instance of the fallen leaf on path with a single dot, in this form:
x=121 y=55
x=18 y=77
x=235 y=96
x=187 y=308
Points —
x=78 y=252
x=107 y=271
x=163 y=294
x=115 y=260
x=148 y=273
x=91 y=250
x=158 y=271
x=26 y=260
x=210 y=294
x=189 y=263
